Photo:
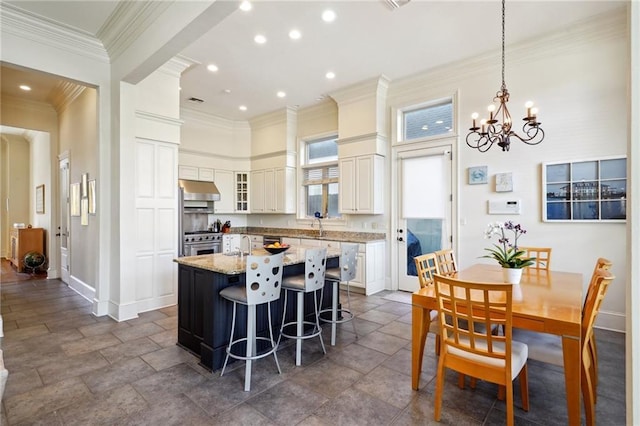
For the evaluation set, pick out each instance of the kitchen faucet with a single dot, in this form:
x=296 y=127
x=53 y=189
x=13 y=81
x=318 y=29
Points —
x=320 y=230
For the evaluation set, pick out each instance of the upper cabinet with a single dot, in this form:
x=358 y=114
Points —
x=195 y=173
x=361 y=184
x=273 y=190
x=224 y=180
x=242 y=192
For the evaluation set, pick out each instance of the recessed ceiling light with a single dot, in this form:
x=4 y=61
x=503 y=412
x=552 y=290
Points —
x=212 y=67
x=242 y=108
x=25 y=87
x=330 y=75
x=281 y=94
x=227 y=91
x=328 y=15
x=439 y=122
x=246 y=6
x=260 y=39
x=425 y=127
x=295 y=34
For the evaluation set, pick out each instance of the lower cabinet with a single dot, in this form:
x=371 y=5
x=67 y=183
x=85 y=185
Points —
x=371 y=268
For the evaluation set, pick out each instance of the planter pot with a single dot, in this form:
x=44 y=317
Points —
x=512 y=275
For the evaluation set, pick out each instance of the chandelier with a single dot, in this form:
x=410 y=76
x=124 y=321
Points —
x=497 y=129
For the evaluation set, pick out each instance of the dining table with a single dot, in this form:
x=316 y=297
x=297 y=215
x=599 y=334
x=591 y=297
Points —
x=545 y=301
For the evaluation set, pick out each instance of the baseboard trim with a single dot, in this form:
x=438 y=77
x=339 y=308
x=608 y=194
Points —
x=82 y=288
x=613 y=321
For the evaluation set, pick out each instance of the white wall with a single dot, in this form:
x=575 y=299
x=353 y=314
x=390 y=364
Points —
x=78 y=124
x=578 y=80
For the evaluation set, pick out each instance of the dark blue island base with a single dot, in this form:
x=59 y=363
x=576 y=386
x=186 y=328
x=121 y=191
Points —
x=204 y=318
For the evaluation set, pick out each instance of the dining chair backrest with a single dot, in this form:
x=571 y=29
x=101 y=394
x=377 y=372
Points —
x=263 y=278
x=542 y=256
x=447 y=264
x=348 y=261
x=600 y=282
x=483 y=305
x=601 y=264
x=427 y=267
x=314 y=268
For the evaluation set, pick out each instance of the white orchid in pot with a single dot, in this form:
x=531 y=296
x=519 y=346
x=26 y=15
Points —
x=506 y=252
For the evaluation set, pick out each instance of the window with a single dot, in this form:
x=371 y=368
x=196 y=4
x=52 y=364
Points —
x=320 y=177
x=594 y=190
x=427 y=121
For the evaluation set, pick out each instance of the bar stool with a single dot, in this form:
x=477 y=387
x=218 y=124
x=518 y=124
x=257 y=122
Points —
x=263 y=279
x=311 y=282
x=345 y=273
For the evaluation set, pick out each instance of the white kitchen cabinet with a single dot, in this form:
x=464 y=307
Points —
x=195 y=173
x=242 y=192
x=224 y=180
x=362 y=184
x=370 y=271
x=273 y=190
x=257 y=241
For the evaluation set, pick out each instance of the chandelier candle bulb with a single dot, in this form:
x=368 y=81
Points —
x=474 y=116
x=528 y=106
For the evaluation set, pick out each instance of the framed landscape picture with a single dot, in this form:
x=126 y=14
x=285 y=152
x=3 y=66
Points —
x=477 y=175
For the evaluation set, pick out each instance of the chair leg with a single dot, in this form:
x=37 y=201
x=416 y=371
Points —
x=273 y=343
x=439 y=388
x=524 y=387
x=593 y=370
x=587 y=393
x=438 y=343
x=501 y=392
x=233 y=326
x=509 y=403
x=284 y=315
x=251 y=337
x=353 y=319
x=334 y=311
x=461 y=380
x=299 y=326
x=315 y=306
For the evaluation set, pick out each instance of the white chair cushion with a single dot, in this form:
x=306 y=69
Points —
x=519 y=355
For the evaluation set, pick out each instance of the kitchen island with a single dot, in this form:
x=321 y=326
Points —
x=204 y=318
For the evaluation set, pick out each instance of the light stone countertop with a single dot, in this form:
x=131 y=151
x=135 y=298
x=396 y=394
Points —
x=233 y=265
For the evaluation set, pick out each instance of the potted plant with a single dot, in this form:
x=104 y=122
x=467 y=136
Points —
x=507 y=253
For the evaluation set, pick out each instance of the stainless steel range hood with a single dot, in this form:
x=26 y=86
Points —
x=198 y=190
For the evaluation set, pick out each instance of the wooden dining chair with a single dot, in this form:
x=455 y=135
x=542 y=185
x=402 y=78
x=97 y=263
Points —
x=542 y=256
x=601 y=264
x=427 y=267
x=494 y=358
x=600 y=283
x=447 y=264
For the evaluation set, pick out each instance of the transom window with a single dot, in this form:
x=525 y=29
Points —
x=320 y=177
x=427 y=120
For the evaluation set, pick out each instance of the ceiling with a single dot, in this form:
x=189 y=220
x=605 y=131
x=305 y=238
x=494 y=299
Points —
x=368 y=38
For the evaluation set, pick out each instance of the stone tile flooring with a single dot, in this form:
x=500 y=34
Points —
x=68 y=367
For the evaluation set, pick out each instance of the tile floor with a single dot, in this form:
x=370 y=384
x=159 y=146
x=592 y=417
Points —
x=67 y=367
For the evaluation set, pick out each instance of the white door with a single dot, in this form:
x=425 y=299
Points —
x=63 y=229
x=425 y=208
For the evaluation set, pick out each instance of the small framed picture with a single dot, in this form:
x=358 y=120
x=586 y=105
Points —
x=504 y=182
x=83 y=188
x=74 y=199
x=92 y=197
x=40 y=199
x=477 y=175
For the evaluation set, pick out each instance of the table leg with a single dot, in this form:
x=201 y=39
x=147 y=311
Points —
x=420 y=326
x=571 y=358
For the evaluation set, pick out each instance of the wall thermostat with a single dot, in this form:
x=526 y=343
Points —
x=504 y=206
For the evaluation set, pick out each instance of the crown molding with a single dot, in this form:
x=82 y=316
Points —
x=30 y=26
x=205 y=118
x=177 y=65
x=325 y=108
x=373 y=87
x=581 y=35
x=279 y=116
x=63 y=94
x=127 y=22
x=159 y=118
x=362 y=138
x=211 y=155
